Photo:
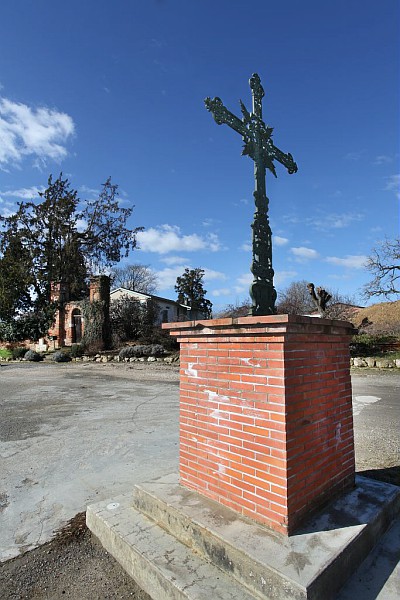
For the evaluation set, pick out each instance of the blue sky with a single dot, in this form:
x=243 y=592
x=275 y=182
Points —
x=99 y=88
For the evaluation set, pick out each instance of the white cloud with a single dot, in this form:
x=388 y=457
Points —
x=245 y=279
x=335 y=220
x=281 y=276
x=209 y=222
x=279 y=241
x=166 y=278
x=243 y=283
x=302 y=254
x=349 y=261
x=357 y=155
x=88 y=191
x=39 y=132
x=382 y=159
x=393 y=184
x=276 y=240
x=326 y=222
x=24 y=193
x=6 y=212
x=173 y=260
x=81 y=225
x=247 y=247
x=221 y=292
x=210 y=275
x=292 y=218
x=168 y=238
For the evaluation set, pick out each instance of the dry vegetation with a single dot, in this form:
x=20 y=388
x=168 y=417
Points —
x=382 y=318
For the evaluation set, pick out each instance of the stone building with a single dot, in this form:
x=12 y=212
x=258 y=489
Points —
x=69 y=324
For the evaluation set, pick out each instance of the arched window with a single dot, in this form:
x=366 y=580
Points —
x=76 y=326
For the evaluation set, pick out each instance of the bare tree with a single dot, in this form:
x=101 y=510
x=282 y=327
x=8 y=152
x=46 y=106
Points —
x=136 y=277
x=240 y=309
x=384 y=264
x=297 y=300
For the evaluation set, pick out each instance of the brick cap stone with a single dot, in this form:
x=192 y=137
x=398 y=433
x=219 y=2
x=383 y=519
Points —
x=267 y=324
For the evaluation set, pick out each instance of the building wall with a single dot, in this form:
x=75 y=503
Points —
x=169 y=311
x=66 y=327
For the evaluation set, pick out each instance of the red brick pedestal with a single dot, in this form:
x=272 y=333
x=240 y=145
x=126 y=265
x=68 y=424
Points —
x=266 y=423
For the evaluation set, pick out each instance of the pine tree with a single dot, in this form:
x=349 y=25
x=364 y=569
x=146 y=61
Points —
x=191 y=292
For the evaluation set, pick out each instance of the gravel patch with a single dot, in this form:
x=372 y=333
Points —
x=73 y=565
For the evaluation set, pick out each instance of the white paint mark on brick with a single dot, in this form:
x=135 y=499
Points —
x=338 y=436
x=216 y=414
x=246 y=361
x=213 y=396
x=221 y=470
x=192 y=372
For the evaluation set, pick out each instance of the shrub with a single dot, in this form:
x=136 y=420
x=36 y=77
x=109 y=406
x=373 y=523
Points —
x=33 y=356
x=369 y=345
x=144 y=350
x=19 y=352
x=133 y=320
x=5 y=353
x=32 y=325
x=163 y=338
x=76 y=350
x=93 y=347
x=96 y=314
x=60 y=356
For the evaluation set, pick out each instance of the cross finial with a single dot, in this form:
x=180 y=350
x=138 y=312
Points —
x=257 y=138
x=258 y=94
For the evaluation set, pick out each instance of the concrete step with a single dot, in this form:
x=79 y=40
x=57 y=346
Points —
x=179 y=545
x=313 y=564
x=157 y=561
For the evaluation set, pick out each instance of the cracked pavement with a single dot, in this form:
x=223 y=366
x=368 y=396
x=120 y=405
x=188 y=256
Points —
x=75 y=434
x=71 y=435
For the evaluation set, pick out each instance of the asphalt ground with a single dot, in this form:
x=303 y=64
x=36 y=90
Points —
x=74 y=434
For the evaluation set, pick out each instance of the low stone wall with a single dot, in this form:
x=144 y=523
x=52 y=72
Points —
x=379 y=363
x=105 y=358
x=359 y=362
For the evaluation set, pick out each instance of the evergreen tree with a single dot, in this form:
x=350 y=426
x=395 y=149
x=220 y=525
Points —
x=191 y=292
x=55 y=240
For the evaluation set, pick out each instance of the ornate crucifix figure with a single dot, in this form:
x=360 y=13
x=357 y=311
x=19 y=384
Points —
x=258 y=145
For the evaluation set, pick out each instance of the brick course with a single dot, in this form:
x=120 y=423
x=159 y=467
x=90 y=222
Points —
x=266 y=422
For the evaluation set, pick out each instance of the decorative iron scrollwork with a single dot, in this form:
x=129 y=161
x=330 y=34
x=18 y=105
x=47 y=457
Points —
x=257 y=144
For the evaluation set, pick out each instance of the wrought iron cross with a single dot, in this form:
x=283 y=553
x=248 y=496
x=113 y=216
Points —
x=258 y=146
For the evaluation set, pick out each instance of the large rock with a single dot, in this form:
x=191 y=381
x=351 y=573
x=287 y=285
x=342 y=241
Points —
x=360 y=362
x=384 y=363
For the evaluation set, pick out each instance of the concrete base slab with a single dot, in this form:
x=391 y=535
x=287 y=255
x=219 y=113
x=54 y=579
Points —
x=378 y=578
x=160 y=565
x=178 y=544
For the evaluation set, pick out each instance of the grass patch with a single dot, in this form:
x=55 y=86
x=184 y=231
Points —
x=4 y=353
